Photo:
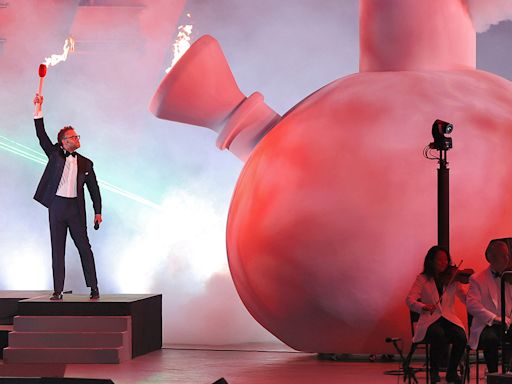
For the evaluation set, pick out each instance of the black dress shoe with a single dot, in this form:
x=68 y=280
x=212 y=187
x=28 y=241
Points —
x=455 y=379
x=56 y=296
x=434 y=377
x=95 y=293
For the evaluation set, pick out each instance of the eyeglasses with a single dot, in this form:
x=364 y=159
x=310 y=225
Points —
x=77 y=137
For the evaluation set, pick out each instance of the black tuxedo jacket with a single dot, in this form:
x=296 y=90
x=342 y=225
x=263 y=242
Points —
x=49 y=182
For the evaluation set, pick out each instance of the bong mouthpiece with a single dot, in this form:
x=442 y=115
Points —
x=42 y=70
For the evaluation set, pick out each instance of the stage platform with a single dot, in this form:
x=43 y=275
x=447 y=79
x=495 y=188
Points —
x=205 y=366
x=9 y=303
x=31 y=312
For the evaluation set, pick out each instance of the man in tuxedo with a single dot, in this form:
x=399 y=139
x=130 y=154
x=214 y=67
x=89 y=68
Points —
x=61 y=190
x=484 y=304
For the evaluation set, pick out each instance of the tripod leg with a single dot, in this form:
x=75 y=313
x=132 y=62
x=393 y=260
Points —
x=466 y=367
x=409 y=373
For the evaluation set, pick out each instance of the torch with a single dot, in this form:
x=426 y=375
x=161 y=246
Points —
x=69 y=46
x=42 y=74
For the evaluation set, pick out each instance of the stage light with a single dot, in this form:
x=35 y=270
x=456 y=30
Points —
x=439 y=129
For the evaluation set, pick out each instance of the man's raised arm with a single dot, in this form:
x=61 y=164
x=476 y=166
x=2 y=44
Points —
x=44 y=140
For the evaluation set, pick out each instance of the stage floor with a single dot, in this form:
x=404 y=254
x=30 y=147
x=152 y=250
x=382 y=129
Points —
x=204 y=366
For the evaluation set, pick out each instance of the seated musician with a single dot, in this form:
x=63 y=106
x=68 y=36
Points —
x=433 y=297
x=484 y=304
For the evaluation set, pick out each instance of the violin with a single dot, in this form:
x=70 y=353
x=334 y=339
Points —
x=453 y=273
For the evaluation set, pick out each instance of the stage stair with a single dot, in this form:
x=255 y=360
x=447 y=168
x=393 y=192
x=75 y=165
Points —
x=70 y=339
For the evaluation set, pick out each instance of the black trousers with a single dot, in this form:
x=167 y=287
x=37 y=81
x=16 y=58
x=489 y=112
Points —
x=439 y=335
x=64 y=214
x=489 y=342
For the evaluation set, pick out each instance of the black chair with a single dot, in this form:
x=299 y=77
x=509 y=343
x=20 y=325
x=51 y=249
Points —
x=414 y=317
x=477 y=352
x=463 y=368
x=467 y=370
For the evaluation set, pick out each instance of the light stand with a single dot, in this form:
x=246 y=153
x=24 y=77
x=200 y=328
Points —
x=443 y=202
x=442 y=144
x=503 y=312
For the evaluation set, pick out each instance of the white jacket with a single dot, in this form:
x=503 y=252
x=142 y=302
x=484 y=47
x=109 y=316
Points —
x=483 y=302
x=424 y=291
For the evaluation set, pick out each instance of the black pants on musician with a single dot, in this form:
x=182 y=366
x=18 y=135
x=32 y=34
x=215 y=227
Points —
x=439 y=335
x=489 y=342
x=64 y=214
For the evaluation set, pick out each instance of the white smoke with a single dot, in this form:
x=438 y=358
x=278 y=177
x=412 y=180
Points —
x=485 y=13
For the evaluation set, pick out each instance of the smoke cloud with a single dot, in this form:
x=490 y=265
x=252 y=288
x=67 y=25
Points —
x=489 y=12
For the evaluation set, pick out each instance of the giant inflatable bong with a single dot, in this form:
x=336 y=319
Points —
x=335 y=207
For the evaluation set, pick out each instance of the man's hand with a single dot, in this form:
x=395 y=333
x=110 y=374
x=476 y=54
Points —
x=38 y=99
x=97 y=221
x=497 y=320
x=429 y=308
x=38 y=102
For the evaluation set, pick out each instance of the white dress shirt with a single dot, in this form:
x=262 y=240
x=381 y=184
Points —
x=67 y=184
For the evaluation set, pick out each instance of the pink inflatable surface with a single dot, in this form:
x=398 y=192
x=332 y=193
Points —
x=336 y=205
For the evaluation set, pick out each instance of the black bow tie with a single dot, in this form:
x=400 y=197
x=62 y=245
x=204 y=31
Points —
x=66 y=153
x=495 y=274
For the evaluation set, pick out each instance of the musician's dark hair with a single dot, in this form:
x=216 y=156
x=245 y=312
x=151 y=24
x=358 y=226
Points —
x=428 y=263
x=62 y=133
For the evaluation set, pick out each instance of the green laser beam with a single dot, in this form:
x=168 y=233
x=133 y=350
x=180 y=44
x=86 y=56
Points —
x=36 y=153
x=35 y=156
x=22 y=153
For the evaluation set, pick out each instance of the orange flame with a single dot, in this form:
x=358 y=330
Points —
x=182 y=43
x=69 y=46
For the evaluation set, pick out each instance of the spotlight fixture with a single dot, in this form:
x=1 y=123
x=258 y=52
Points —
x=442 y=144
x=439 y=129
